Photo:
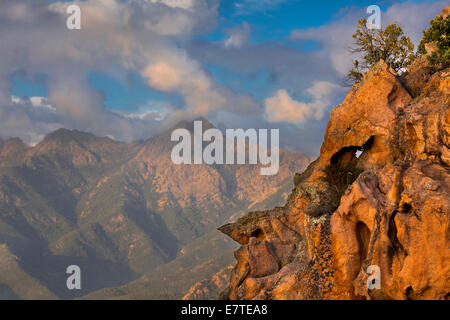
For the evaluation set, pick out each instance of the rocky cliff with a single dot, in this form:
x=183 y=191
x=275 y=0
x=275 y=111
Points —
x=377 y=195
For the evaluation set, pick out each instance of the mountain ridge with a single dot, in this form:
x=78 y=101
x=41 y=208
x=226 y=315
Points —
x=121 y=211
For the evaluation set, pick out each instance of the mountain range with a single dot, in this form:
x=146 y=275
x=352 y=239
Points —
x=138 y=225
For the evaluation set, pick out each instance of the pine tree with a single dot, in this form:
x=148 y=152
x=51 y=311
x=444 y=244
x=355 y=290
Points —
x=372 y=45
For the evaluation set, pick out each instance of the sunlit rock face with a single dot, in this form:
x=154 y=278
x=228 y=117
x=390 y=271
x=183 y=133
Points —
x=377 y=195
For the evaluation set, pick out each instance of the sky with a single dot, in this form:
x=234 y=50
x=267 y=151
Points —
x=137 y=67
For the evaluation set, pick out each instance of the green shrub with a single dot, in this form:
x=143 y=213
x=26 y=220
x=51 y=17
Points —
x=389 y=44
x=438 y=32
x=338 y=178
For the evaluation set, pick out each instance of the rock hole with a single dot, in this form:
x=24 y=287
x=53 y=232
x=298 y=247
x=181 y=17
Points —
x=258 y=234
x=344 y=156
x=409 y=293
x=368 y=144
x=350 y=153
x=406 y=208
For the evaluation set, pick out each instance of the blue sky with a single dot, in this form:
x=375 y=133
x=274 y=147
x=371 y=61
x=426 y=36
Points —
x=240 y=63
x=271 y=21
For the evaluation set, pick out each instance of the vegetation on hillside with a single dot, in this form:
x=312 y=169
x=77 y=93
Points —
x=339 y=178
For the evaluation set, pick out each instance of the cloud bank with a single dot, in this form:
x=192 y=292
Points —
x=133 y=35
x=282 y=108
x=157 y=40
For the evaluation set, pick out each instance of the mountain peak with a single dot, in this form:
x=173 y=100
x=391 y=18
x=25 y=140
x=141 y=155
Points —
x=65 y=135
x=15 y=141
x=12 y=144
x=189 y=125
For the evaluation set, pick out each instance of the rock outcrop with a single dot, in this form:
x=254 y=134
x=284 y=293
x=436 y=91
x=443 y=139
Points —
x=377 y=195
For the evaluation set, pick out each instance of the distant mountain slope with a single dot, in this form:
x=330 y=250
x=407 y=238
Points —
x=210 y=288
x=123 y=212
x=15 y=282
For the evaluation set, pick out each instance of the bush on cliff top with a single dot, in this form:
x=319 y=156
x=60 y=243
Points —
x=372 y=45
x=439 y=33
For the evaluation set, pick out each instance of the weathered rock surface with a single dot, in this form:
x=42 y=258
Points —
x=390 y=207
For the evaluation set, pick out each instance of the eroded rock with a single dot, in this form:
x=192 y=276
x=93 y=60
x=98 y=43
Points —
x=393 y=211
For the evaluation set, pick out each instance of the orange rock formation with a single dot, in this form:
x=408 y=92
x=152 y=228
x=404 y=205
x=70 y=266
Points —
x=388 y=206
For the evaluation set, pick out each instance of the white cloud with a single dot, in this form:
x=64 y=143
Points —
x=145 y=115
x=413 y=18
x=37 y=102
x=184 y=4
x=133 y=35
x=154 y=39
x=245 y=7
x=238 y=36
x=282 y=108
x=152 y=110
